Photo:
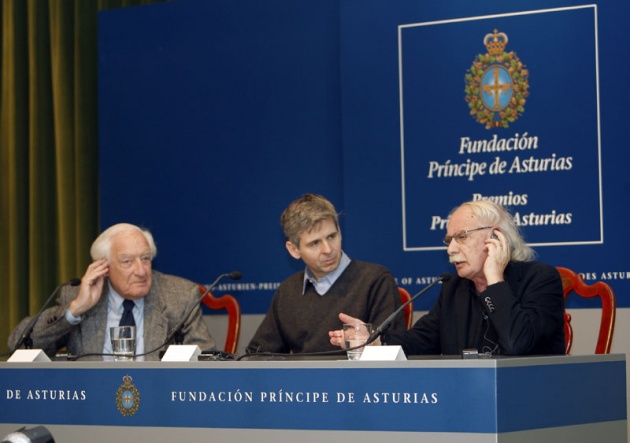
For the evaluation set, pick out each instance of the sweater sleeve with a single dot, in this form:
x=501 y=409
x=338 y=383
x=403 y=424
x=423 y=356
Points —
x=383 y=300
x=268 y=336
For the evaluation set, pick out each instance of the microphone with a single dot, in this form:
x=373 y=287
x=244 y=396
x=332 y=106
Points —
x=25 y=338
x=38 y=434
x=388 y=321
x=176 y=332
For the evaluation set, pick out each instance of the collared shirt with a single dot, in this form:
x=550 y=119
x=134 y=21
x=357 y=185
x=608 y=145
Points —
x=323 y=284
x=114 y=314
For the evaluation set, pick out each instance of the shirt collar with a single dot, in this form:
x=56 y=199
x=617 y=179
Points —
x=323 y=284
x=115 y=300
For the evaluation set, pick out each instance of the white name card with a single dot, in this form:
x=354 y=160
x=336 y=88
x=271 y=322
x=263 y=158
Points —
x=181 y=353
x=28 y=355
x=383 y=353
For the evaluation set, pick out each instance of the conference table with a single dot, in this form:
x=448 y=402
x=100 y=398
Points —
x=442 y=399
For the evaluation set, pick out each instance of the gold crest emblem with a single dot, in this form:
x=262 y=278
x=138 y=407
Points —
x=127 y=397
x=497 y=84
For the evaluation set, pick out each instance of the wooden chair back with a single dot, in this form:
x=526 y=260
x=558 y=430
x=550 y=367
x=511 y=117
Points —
x=231 y=305
x=408 y=310
x=573 y=283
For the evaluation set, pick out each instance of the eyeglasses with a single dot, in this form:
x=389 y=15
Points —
x=461 y=236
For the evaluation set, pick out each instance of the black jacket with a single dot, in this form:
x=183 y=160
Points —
x=524 y=315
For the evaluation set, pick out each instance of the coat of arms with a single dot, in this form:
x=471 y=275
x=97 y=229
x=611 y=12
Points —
x=497 y=84
x=127 y=397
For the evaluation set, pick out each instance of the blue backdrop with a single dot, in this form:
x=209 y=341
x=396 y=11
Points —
x=215 y=115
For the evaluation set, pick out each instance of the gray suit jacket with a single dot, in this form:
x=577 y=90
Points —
x=165 y=305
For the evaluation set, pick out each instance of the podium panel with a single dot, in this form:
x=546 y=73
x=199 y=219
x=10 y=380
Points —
x=447 y=400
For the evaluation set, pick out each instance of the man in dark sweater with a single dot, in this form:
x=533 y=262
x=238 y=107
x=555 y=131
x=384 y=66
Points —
x=501 y=302
x=307 y=305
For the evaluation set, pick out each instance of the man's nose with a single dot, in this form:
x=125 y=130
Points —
x=452 y=247
x=326 y=248
x=139 y=267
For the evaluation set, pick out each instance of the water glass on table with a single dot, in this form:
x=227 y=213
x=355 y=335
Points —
x=123 y=342
x=356 y=335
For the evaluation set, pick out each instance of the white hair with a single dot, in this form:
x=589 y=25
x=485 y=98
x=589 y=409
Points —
x=102 y=246
x=492 y=214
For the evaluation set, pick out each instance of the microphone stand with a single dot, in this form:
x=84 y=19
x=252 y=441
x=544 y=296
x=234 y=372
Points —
x=25 y=338
x=177 y=332
x=388 y=321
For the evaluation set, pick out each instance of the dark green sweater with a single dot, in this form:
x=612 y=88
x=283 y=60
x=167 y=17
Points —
x=299 y=322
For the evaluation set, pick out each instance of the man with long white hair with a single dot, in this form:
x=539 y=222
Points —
x=500 y=303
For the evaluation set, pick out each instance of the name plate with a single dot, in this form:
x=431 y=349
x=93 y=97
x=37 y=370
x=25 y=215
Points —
x=383 y=353
x=28 y=355
x=181 y=353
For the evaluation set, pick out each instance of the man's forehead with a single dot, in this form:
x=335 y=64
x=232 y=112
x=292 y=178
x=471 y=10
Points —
x=321 y=228
x=131 y=241
x=462 y=218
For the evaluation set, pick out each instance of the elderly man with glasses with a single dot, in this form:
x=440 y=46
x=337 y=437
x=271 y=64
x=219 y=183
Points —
x=500 y=303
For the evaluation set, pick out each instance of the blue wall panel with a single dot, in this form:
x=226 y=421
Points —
x=215 y=115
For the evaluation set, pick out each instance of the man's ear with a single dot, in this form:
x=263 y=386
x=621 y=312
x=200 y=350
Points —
x=293 y=250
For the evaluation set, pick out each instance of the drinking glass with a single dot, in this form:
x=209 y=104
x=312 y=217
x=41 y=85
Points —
x=123 y=342
x=356 y=335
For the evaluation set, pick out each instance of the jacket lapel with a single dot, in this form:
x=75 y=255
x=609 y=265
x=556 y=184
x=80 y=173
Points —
x=156 y=325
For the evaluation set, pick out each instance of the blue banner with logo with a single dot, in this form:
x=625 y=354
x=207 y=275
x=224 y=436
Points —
x=488 y=133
